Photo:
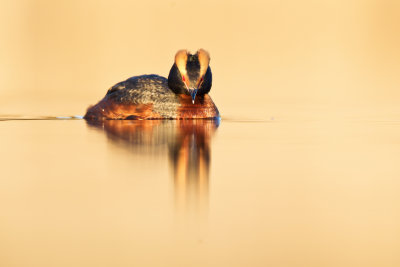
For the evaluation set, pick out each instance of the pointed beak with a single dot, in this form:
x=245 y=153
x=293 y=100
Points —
x=193 y=93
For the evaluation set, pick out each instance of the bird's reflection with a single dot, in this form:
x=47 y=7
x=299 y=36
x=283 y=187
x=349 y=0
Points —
x=188 y=146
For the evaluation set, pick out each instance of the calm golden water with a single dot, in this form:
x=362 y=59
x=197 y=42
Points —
x=286 y=191
x=302 y=170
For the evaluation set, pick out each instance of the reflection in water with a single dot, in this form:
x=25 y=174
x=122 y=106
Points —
x=188 y=144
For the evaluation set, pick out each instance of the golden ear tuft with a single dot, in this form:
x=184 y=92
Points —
x=204 y=60
x=181 y=59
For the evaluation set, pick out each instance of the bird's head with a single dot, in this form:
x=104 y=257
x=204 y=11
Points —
x=191 y=73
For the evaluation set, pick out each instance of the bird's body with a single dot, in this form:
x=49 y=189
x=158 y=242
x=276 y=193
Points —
x=155 y=97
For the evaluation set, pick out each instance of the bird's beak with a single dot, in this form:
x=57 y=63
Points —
x=193 y=93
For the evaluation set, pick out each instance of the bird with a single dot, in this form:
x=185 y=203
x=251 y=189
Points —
x=184 y=95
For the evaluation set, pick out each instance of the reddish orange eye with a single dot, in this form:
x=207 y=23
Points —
x=200 y=82
x=183 y=78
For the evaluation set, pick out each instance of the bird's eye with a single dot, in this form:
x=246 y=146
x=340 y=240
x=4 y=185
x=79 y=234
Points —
x=183 y=78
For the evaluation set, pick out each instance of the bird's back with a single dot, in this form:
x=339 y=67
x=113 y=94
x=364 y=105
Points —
x=142 y=89
x=139 y=97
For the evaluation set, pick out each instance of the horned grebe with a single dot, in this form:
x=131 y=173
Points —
x=184 y=95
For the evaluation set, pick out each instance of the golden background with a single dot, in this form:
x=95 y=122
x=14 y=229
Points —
x=317 y=187
x=57 y=57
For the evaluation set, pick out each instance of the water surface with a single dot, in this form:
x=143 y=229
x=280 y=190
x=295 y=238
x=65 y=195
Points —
x=277 y=192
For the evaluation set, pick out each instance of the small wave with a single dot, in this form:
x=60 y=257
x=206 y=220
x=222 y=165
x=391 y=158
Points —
x=247 y=120
x=24 y=118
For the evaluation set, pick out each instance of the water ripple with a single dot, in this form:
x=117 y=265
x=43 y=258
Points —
x=24 y=118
